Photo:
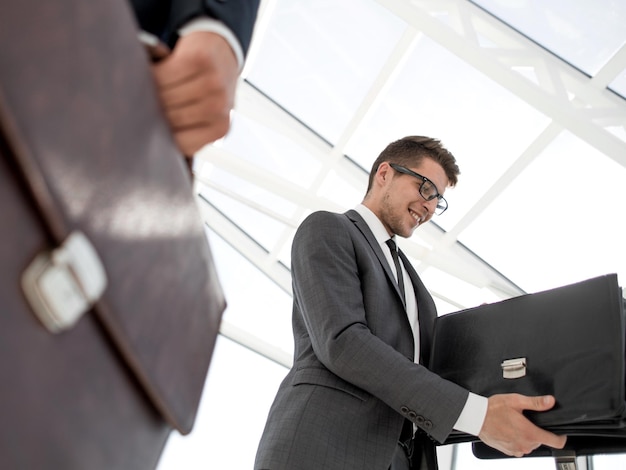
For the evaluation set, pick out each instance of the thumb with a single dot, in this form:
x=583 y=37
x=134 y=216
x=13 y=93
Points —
x=541 y=403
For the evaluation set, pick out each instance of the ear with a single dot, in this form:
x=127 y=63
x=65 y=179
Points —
x=384 y=173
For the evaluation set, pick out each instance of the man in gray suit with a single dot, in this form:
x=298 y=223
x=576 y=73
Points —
x=360 y=395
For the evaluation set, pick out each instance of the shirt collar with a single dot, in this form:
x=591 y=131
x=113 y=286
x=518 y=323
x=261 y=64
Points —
x=373 y=222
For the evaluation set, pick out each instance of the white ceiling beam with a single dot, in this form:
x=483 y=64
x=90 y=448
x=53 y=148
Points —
x=376 y=91
x=451 y=258
x=256 y=344
x=610 y=70
x=246 y=246
x=263 y=178
x=526 y=158
x=547 y=96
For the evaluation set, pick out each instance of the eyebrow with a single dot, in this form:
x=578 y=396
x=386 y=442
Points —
x=415 y=174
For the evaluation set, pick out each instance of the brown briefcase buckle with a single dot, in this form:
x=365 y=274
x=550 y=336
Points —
x=62 y=284
x=514 y=368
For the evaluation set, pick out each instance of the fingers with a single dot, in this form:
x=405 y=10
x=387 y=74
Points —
x=524 y=402
x=540 y=403
x=507 y=429
x=544 y=403
x=195 y=54
x=549 y=439
x=196 y=104
x=196 y=86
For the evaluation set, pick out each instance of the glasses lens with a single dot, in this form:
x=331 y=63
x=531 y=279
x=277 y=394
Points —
x=442 y=205
x=428 y=191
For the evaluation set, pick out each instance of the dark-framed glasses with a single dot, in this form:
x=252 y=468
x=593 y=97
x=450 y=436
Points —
x=427 y=188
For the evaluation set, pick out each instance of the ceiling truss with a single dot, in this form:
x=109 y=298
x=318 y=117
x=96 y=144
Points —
x=569 y=98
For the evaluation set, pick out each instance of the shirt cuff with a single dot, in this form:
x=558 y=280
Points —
x=204 y=23
x=473 y=415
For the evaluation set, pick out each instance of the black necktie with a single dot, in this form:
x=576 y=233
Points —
x=394 y=254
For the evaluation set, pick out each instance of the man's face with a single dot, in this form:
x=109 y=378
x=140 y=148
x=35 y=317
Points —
x=400 y=206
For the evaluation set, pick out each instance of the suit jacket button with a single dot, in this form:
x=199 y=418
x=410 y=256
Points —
x=404 y=410
x=412 y=415
x=428 y=424
x=420 y=420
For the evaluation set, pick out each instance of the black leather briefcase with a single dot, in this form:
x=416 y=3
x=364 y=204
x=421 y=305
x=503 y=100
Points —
x=567 y=342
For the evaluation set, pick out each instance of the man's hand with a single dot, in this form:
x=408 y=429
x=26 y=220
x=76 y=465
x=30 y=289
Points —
x=196 y=84
x=508 y=430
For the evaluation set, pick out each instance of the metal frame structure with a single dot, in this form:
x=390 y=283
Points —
x=572 y=100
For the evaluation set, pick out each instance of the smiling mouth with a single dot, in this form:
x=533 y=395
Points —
x=418 y=219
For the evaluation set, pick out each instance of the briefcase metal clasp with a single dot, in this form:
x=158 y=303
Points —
x=565 y=459
x=514 y=368
x=62 y=284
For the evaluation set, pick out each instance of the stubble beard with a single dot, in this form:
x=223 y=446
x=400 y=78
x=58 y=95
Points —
x=393 y=219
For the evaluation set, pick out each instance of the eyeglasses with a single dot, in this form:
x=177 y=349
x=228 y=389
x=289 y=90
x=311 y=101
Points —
x=427 y=189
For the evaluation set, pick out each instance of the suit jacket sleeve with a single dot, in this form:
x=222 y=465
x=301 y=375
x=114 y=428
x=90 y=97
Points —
x=164 y=18
x=353 y=319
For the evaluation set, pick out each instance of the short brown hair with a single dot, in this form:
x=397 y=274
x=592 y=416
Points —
x=411 y=150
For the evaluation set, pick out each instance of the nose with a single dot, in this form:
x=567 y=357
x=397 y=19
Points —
x=430 y=206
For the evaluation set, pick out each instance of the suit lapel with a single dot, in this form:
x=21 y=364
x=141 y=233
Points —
x=371 y=239
x=426 y=309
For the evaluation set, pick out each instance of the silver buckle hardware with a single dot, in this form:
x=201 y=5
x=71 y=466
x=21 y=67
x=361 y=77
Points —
x=514 y=368
x=565 y=460
x=63 y=284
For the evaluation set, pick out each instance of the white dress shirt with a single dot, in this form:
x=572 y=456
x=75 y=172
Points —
x=473 y=415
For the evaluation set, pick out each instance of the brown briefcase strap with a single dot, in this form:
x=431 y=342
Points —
x=30 y=174
x=63 y=284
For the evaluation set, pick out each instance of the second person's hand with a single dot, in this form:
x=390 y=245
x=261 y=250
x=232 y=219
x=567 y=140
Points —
x=196 y=84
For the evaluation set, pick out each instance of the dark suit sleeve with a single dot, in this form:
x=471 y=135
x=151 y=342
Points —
x=164 y=18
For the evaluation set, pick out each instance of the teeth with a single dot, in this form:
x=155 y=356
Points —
x=415 y=216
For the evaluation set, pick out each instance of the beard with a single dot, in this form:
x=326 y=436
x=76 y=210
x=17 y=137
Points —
x=394 y=218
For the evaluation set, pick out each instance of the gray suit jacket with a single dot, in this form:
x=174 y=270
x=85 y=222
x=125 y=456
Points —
x=353 y=382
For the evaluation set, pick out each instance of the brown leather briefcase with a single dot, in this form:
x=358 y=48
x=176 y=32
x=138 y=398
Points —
x=110 y=304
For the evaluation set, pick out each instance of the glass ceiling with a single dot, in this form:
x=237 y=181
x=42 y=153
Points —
x=527 y=94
